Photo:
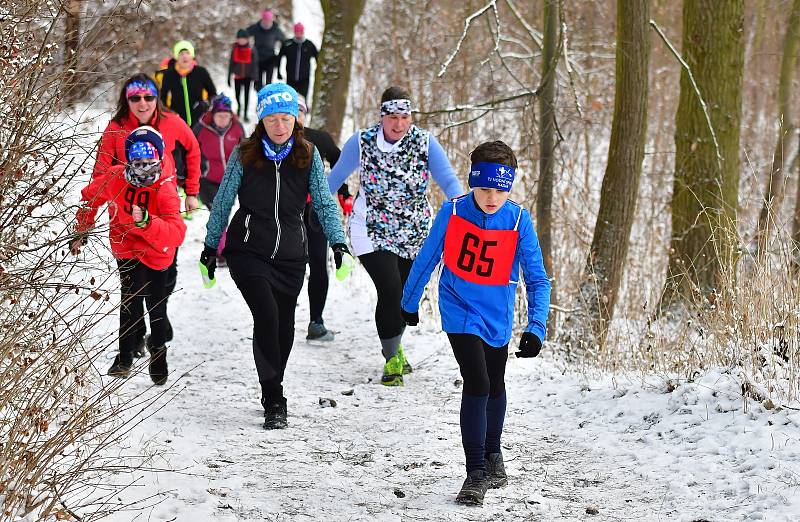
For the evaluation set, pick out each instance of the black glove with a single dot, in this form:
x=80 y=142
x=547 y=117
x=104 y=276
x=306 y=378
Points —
x=209 y=259
x=529 y=345
x=229 y=82
x=411 y=318
x=339 y=249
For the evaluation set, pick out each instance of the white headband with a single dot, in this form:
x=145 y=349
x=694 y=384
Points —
x=401 y=106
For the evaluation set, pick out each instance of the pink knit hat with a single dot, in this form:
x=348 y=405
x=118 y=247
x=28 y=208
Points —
x=299 y=30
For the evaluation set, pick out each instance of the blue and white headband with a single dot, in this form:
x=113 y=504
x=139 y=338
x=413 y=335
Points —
x=401 y=106
x=491 y=175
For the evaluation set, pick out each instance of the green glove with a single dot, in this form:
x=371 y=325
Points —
x=343 y=260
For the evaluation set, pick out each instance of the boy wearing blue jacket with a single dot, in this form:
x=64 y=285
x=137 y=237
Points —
x=482 y=239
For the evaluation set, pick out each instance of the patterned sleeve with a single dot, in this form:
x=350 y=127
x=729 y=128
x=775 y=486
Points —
x=324 y=205
x=223 y=201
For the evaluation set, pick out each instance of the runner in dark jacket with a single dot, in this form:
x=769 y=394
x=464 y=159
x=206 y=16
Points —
x=271 y=174
x=187 y=86
x=317 y=242
x=243 y=67
x=298 y=53
x=266 y=34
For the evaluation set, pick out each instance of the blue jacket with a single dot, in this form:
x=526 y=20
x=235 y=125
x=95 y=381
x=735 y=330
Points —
x=483 y=310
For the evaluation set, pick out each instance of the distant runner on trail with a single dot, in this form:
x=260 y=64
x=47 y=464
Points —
x=272 y=172
x=187 y=87
x=243 y=67
x=483 y=239
x=395 y=161
x=298 y=53
x=266 y=35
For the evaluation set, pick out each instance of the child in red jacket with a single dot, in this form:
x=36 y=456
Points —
x=146 y=227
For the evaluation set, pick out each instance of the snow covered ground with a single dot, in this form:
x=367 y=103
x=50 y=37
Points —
x=627 y=450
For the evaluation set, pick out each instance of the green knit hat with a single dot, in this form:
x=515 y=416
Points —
x=183 y=45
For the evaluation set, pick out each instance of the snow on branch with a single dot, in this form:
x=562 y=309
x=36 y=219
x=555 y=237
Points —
x=463 y=36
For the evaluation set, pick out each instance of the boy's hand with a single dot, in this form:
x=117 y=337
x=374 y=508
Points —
x=137 y=214
x=529 y=345
x=411 y=318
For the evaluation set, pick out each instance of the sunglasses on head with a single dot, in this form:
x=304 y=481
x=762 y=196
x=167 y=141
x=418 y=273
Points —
x=139 y=97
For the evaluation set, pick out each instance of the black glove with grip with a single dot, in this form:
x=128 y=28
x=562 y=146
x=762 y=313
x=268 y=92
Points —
x=209 y=259
x=529 y=345
x=411 y=318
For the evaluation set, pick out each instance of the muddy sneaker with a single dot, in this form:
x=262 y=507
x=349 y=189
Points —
x=406 y=365
x=474 y=488
x=158 y=365
x=393 y=371
x=318 y=332
x=121 y=367
x=275 y=415
x=496 y=470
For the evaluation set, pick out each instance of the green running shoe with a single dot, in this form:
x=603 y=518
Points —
x=406 y=365
x=393 y=371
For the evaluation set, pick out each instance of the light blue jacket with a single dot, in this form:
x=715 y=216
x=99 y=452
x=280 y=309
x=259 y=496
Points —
x=483 y=310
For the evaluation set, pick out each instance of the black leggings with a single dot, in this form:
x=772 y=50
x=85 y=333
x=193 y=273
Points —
x=241 y=85
x=388 y=272
x=140 y=284
x=317 y=264
x=273 y=332
x=483 y=367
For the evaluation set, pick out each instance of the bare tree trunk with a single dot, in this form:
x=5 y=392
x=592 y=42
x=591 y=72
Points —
x=705 y=188
x=547 y=126
x=773 y=194
x=332 y=78
x=605 y=264
x=72 y=9
x=283 y=12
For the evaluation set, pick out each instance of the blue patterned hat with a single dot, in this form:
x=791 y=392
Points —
x=276 y=98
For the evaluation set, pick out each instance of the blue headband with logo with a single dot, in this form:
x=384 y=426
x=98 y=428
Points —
x=491 y=175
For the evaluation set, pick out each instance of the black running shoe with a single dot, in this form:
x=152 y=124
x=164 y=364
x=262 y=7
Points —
x=474 y=488
x=275 y=415
x=496 y=470
x=158 y=365
x=318 y=332
x=121 y=367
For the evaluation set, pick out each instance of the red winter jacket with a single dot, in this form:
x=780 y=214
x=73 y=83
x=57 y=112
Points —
x=155 y=243
x=172 y=128
x=216 y=146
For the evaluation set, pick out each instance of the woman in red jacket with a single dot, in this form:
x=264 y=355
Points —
x=138 y=104
x=218 y=132
x=146 y=229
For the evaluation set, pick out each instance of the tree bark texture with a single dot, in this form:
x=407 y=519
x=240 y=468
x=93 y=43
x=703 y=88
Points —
x=774 y=192
x=605 y=265
x=547 y=116
x=705 y=188
x=71 y=46
x=332 y=79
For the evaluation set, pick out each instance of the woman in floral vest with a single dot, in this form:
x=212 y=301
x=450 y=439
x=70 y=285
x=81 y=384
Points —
x=395 y=161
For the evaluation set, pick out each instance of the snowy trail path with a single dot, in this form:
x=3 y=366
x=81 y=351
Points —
x=395 y=454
